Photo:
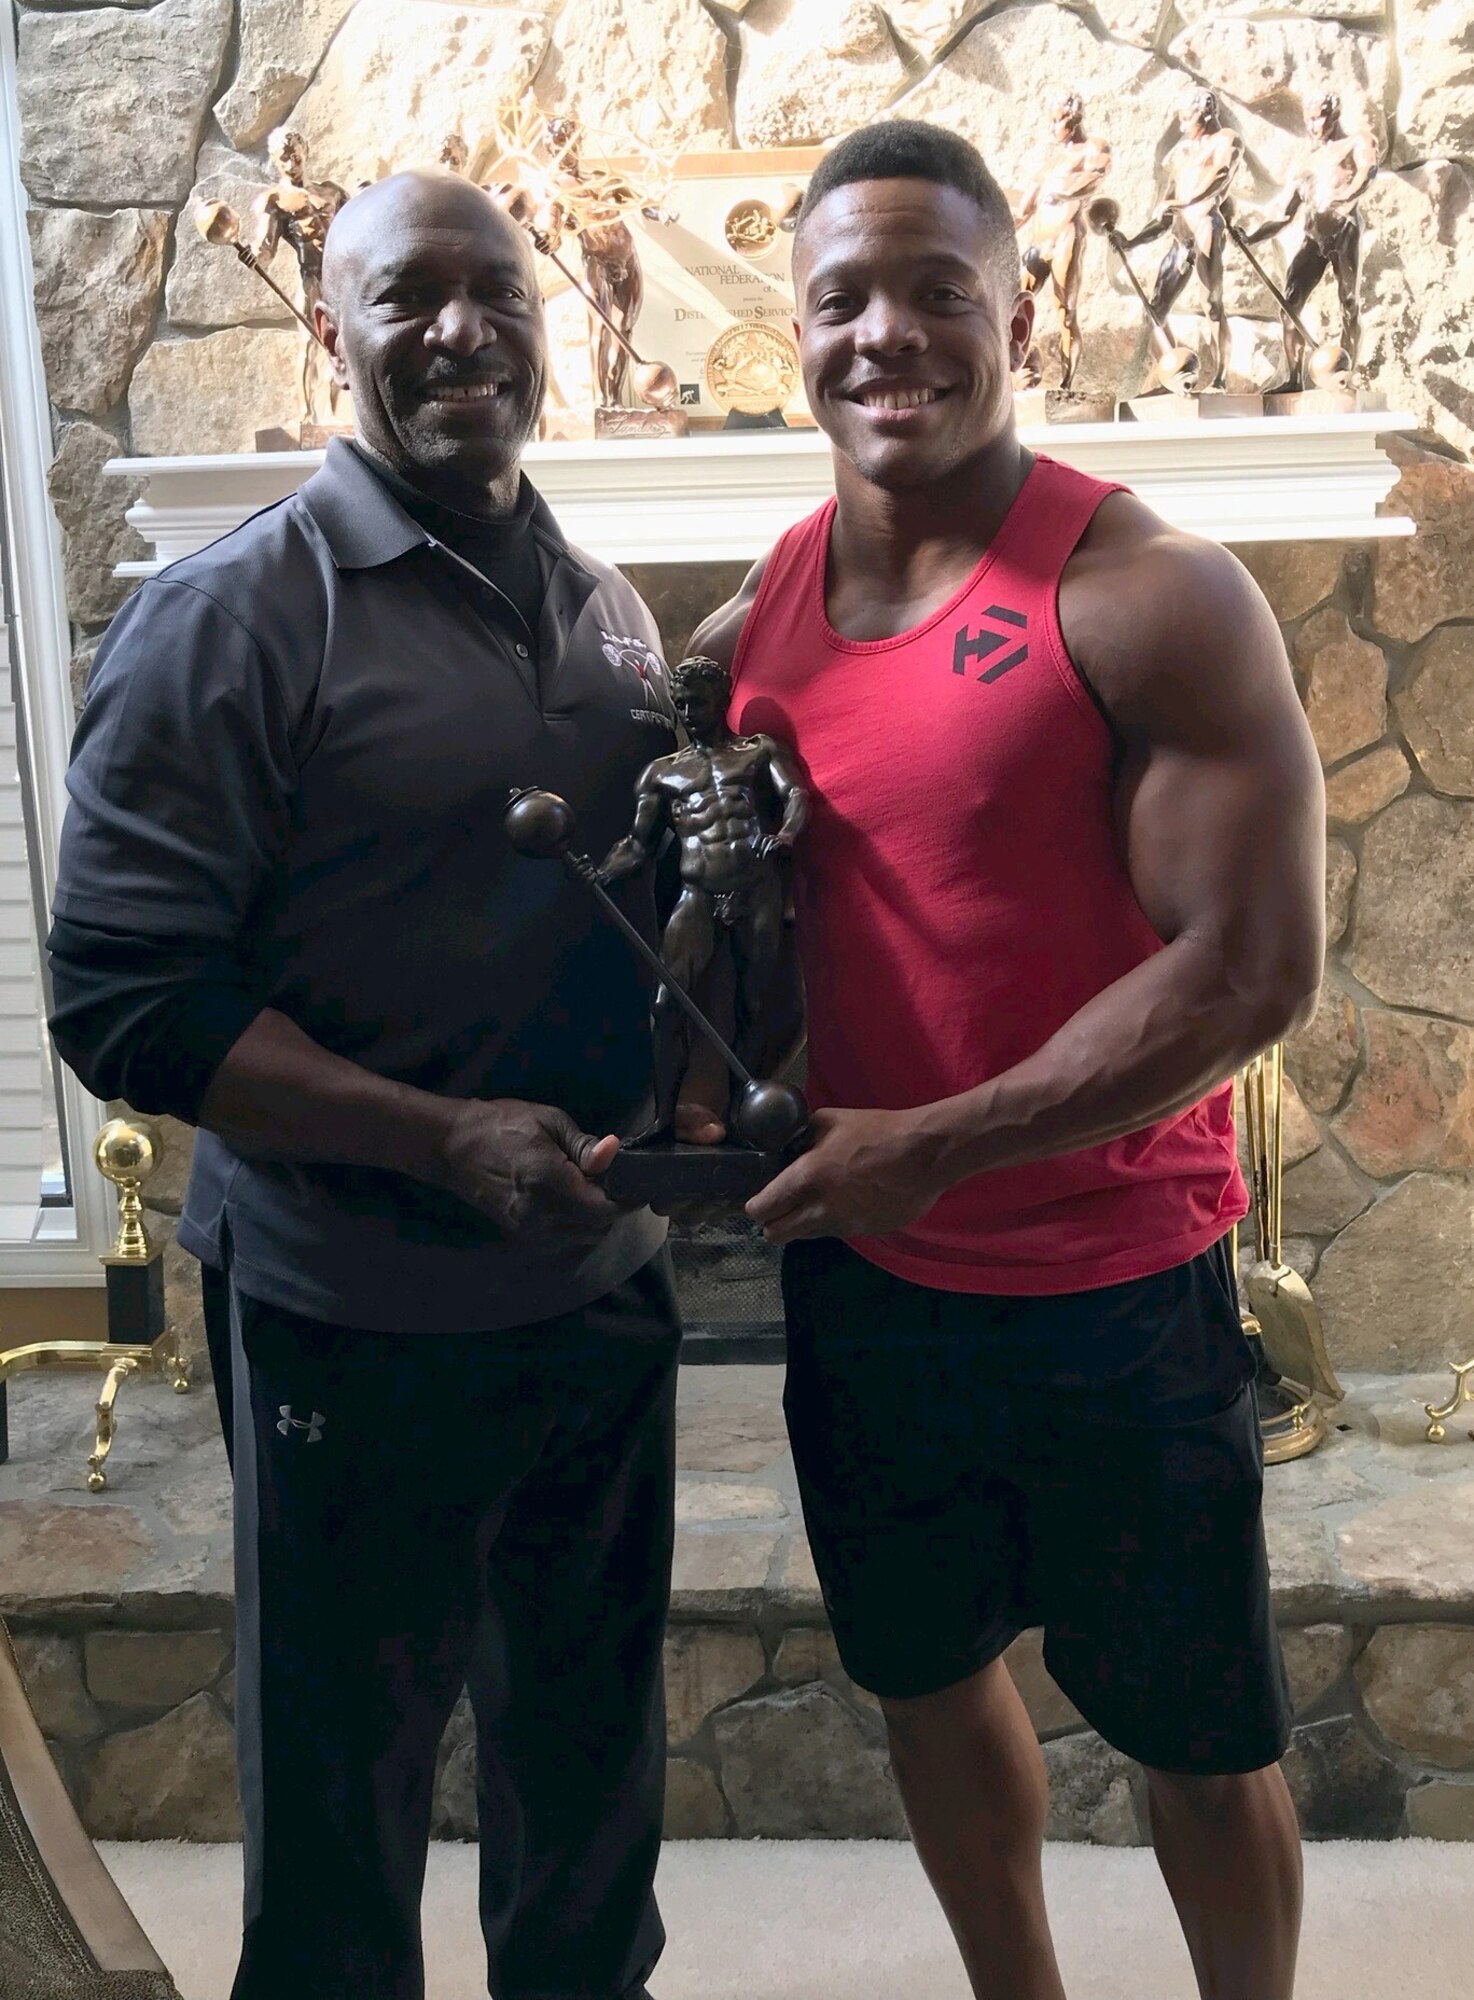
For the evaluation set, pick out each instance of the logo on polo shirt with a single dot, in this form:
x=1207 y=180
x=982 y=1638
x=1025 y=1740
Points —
x=982 y=644
x=312 y=1425
x=633 y=657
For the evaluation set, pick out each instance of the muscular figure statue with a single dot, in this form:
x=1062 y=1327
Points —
x=301 y=211
x=1336 y=172
x=593 y=199
x=1053 y=213
x=734 y=803
x=1200 y=168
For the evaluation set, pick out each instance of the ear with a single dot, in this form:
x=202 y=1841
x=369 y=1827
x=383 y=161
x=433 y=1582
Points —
x=327 y=333
x=1020 y=329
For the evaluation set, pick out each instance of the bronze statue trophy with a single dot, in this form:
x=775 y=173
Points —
x=1200 y=170
x=735 y=805
x=589 y=202
x=1326 y=193
x=1052 y=218
x=299 y=212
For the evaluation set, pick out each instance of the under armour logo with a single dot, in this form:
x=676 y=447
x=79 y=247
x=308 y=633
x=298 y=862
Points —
x=312 y=1426
x=978 y=645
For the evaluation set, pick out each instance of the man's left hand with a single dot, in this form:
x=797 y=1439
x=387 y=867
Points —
x=865 y=1174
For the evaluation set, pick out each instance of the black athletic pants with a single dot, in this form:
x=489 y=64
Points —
x=415 y=1513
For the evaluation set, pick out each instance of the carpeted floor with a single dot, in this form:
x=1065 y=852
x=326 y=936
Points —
x=826 y=1920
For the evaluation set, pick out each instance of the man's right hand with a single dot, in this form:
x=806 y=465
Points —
x=529 y=1168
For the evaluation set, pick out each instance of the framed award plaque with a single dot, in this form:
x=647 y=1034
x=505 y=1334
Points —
x=718 y=305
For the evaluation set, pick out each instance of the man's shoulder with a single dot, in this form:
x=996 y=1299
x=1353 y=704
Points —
x=274 y=556
x=1142 y=602
x=1130 y=558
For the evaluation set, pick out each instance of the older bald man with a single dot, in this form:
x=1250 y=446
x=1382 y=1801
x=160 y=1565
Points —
x=288 y=913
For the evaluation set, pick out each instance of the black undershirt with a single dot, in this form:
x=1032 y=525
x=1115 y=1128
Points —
x=503 y=548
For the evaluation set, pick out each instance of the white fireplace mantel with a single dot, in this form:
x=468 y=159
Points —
x=727 y=496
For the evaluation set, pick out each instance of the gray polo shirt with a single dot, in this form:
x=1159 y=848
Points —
x=287 y=790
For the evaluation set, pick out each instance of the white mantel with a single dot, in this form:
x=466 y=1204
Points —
x=727 y=496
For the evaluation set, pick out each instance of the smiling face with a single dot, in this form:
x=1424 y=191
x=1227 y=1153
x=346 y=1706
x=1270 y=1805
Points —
x=909 y=328
x=434 y=321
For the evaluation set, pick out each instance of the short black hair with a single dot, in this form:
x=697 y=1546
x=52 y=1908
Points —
x=909 y=149
x=699 y=670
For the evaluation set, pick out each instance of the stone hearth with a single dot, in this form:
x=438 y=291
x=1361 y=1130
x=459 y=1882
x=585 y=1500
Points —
x=121 y=1609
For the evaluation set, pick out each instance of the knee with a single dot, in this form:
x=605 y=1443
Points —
x=954 y=1720
x=1212 y=1799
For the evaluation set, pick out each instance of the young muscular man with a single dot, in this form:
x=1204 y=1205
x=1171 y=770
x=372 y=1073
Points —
x=1063 y=877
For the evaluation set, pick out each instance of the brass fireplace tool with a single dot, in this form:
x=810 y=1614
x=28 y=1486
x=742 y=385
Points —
x=137 y=1332
x=1439 y=1413
x=1282 y=1316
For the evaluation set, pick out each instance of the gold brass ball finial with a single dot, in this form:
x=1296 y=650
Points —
x=126 y=1154
x=218 y=223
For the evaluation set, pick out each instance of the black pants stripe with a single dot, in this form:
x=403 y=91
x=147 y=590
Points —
x=419 y=1512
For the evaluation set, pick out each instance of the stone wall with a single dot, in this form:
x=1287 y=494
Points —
x=154 y=343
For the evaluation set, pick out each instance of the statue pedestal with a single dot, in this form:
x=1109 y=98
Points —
x=612 y=423
x=1069 y=406
x=1323 y=402
x=1211 y=406
x=724 y=1175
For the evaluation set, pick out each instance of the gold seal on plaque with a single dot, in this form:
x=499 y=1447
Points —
x=751 y=228
x=752 y=368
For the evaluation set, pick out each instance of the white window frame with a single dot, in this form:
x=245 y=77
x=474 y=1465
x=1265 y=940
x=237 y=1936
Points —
x=66 y=1253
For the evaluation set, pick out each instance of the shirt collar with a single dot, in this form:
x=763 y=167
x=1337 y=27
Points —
x=364 y=525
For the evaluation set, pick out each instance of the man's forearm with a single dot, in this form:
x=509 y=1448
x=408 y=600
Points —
x=1146 y=1048
x=280 y=1095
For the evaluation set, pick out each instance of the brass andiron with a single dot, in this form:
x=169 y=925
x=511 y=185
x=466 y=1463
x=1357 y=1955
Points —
x=1282 y=1316
x=1439 y=1413
x=138 y=1335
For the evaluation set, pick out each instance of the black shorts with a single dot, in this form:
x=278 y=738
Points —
x=1090 y=1463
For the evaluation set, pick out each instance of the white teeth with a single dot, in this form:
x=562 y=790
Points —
x=898 y=399
x=476 y=393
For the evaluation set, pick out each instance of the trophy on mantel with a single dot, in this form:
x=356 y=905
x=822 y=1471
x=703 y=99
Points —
x=299 y=212
x=1051 y=219
x=544 y=182
x=1195 y=209
x=736 y=805
x=1325 y=196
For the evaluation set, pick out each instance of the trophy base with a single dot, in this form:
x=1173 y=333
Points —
x=671 y=1172
x=135 y=1298
x=1070 y=406
x=307 y=436
x=612 y=423
x=755 y=420
x=1323 y=402
x=1211 y=406
x=316 y=436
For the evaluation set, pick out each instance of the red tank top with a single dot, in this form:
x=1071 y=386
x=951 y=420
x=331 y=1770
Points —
x=959 y=894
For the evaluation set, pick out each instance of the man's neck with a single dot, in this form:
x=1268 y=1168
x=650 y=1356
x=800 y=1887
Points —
x=896 y=535
x=495 y=501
